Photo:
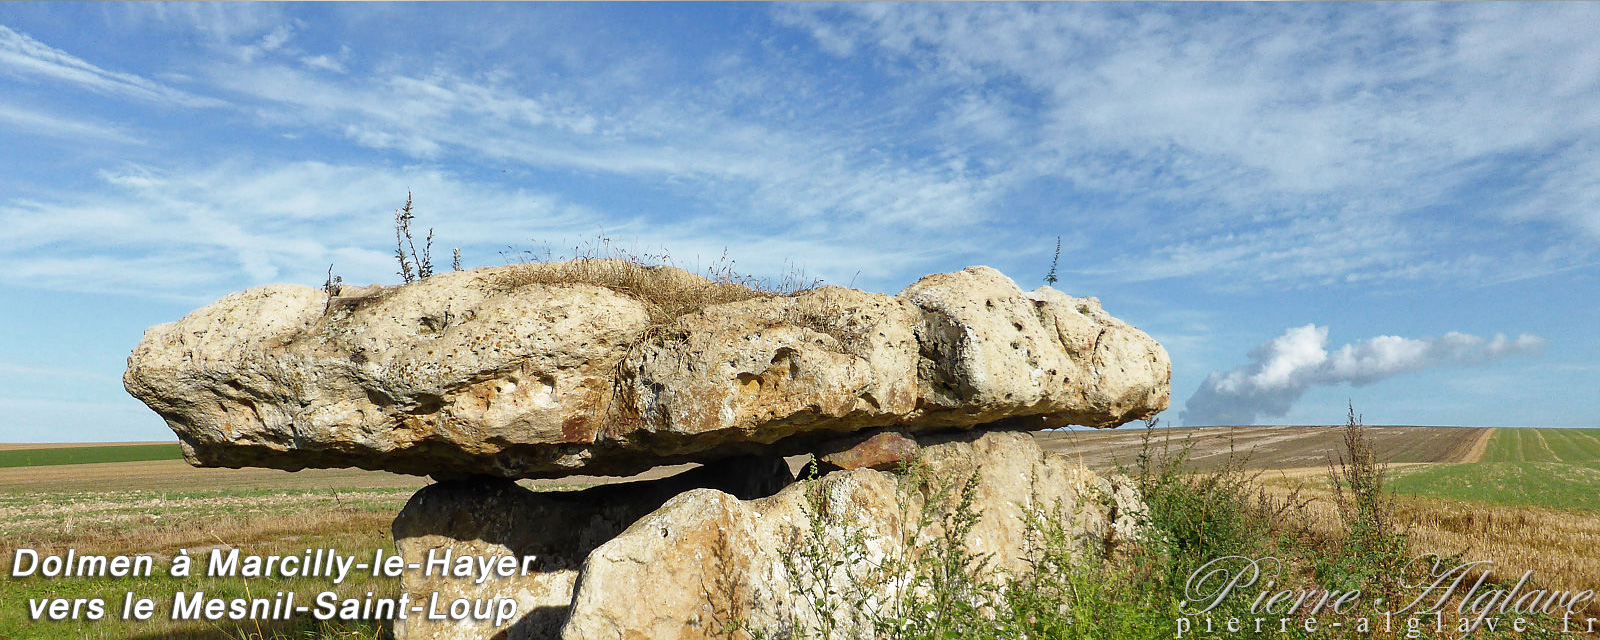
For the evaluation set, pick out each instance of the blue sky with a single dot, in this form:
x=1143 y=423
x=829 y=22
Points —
x=1396 y=205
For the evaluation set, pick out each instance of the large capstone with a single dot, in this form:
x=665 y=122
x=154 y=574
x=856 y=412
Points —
x=521 y=372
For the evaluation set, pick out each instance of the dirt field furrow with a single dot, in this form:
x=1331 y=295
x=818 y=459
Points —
x=1269 y=447
x=1475 y=454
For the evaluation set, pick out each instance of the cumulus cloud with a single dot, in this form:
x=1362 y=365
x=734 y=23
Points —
x=1282 y=369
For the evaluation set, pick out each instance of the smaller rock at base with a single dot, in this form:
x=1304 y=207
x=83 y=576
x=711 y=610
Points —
x=886 y=451
x=707 y=566
x=486 y=518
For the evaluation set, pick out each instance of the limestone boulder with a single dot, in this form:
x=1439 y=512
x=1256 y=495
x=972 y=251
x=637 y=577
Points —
x=886 y=451
x=713 y=563
x=485 y=519
x=512 y=373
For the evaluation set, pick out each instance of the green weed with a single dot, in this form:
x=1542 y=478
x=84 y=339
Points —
x=939 y=589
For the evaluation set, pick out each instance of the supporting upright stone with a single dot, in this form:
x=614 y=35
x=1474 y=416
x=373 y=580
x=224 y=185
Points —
x=712 y=563
x=488 y=518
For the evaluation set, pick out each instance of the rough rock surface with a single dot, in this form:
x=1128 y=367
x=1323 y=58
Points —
x=489 y=518
x=683 y=557
x=463 y=373
x=885 y=451
x=708 y=558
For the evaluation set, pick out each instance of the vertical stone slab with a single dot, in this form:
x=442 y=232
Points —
x=708 y=565
x=488 y=517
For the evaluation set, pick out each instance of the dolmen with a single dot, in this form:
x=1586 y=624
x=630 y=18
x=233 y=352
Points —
x=905 y=405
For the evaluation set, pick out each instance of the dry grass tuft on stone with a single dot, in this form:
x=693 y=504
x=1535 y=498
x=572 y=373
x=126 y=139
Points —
x=670 y=292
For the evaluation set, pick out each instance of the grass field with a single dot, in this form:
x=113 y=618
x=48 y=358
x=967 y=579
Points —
x=84 y=455
x=1557 y=468
x=1578 y=446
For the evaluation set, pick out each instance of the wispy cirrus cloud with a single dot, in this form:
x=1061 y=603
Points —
x=1214 y=170
x=1245 y=147
x=191 y=236
x=1270 y=127
x=818 y=199
x=58 y=126
x=813 y=192
x=21 y=55
x=194 y=235
x=323 y=62
x=820 y=173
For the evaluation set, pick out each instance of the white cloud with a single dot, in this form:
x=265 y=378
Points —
x=191 y=236
x=1255 y=120
x=276 y=38
x=272 y=42
x=323 y=62
x=24 y=56
x=1284 y=368
x=224 y=24
x=743 y=166
x=1248 y=148
x=195 y=235
x=54 y=125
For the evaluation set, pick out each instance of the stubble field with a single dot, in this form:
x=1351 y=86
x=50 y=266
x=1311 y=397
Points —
x=1523 y=498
